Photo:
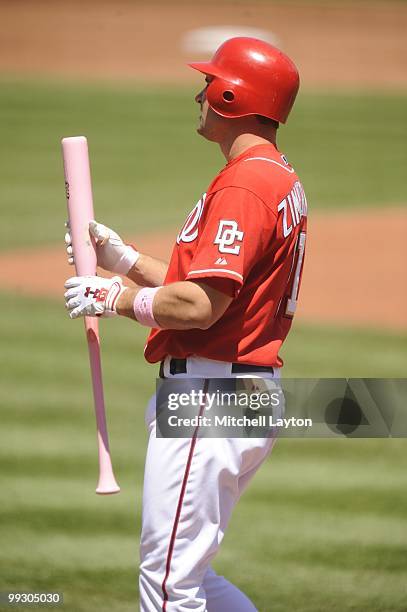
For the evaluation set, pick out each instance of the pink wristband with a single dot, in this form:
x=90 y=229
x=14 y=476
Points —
x=143 y=306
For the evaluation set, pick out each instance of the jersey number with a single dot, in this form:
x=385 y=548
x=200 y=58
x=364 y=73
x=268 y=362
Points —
x=298 y=262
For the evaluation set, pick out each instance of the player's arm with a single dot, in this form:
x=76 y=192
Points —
x=148 y=271
x=116 y=256
x=182 y=305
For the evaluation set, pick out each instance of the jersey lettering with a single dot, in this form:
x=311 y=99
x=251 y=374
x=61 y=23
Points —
x=298 y=262
x=294 y=207
x=228 y=234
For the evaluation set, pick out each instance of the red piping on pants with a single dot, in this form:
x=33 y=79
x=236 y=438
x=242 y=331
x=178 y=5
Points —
x=179 y=506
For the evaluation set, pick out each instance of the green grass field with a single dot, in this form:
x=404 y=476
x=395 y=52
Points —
x=150 y=166
x=322 y=527
x=324 y=524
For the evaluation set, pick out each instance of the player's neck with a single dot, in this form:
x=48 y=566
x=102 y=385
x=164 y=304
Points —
x=239 y=144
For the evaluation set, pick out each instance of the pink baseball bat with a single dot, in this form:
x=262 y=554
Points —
x=79 y=199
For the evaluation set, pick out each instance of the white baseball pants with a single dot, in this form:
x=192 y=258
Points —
x=190 y=489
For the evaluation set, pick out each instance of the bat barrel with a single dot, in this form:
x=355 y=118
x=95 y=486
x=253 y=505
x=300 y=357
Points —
x=78 y=187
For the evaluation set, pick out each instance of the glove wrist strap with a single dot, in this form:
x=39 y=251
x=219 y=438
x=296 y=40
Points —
x=112 y=297
x=128 y=260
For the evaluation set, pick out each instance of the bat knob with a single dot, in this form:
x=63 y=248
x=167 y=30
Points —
x=107 y=485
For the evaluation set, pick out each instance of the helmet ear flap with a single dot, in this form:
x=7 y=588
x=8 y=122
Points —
x=224 y=97
x=228 y=96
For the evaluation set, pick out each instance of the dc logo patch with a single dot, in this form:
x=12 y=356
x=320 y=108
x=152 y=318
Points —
x=228 y=234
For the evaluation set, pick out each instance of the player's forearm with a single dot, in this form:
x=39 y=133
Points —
x=183 y=305
x=148 y=271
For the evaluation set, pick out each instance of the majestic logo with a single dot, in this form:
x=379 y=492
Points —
x=189 y=230
x=228 y=234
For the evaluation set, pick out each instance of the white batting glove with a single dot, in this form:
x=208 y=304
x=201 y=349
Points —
x=68 y=242
x=92 y=296
x=112 y=253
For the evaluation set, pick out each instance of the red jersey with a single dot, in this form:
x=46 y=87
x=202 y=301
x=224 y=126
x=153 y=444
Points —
x=250 y=228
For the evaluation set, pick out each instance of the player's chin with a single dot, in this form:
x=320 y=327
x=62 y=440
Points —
x=205 y=133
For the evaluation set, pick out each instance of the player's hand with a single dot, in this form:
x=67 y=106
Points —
x=112 y=253
x=92 y=296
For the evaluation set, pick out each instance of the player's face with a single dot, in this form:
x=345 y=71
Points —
x=209 y=121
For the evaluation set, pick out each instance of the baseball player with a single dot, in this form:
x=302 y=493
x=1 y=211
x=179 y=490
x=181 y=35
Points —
x=221 y=308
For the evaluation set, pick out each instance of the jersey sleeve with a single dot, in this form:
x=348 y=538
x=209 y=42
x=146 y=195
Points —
x=233 y=234
x=224 y=285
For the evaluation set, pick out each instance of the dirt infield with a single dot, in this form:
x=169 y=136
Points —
x=355 y=282
x=360 y=44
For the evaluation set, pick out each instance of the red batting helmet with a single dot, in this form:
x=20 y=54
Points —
x=251 y=77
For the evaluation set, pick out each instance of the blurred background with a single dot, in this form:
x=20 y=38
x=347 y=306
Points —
x=324 y=524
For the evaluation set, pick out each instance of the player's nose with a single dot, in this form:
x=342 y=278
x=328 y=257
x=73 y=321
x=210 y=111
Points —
x=199 y=96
